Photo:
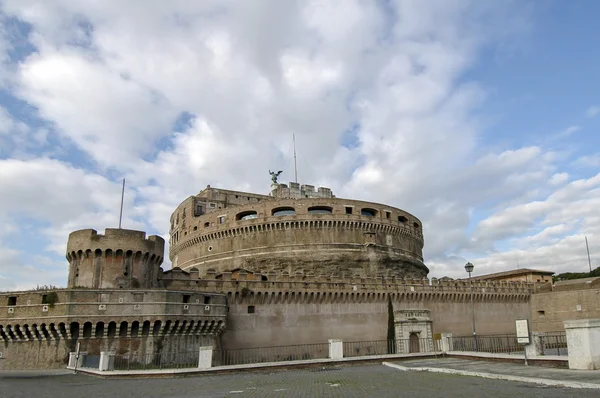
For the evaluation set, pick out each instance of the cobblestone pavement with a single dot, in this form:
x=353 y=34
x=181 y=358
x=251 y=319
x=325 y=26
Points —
x=371 y=381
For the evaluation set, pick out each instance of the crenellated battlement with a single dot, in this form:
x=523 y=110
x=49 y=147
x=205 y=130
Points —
x=119 y=258
x=115 y=239
x=274 y=287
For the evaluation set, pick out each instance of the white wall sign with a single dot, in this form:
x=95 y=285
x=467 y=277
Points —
x=522 y=331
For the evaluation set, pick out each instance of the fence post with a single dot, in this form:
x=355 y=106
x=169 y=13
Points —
x=107 y=361
x=583 y=343
x=446 y=342
x=72 y=360
x=205 y=357
x=336 y=349
x=536 y=345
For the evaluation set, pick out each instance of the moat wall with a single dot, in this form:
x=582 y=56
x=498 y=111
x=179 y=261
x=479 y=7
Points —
x=299 y=309
x=304 y=323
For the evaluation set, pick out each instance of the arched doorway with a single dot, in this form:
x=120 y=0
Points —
x=413 y=342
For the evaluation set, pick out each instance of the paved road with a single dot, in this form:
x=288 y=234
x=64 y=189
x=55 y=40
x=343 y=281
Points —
x=356 y=381
x=515 y=369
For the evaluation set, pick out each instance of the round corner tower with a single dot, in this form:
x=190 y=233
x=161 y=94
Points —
x=296 y=228
x=121 y=258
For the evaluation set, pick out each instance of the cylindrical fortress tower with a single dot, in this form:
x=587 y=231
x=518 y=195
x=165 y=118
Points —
x=323 y=235
x=121 y=258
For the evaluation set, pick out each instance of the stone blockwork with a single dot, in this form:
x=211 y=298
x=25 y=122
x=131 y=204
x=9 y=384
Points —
x=565 y=301
x=320 y=235
x=39 y=328
x=297 y=309
x=298 y=266
x=120 y=258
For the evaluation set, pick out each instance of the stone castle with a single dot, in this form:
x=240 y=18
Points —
x=296 y=266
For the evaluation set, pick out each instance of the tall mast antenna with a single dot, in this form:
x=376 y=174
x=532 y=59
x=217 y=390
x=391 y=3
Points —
x=588 y=253
x=295 y=166
x=122 y=195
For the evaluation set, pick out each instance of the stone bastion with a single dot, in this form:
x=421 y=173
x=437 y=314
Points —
x=230 y=230
x=121 y=258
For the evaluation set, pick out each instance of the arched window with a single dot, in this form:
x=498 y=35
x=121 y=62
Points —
x=283 y=211
x=123 y=329
x=99 y=330
x=146 y=328
x=246 y=215
x=112 y=329
x=320 y=210
x=368 y=212
x=416 y=225
x=87 y=329
x=135 y=328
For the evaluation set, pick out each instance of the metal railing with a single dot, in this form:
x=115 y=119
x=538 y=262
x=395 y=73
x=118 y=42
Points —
x=554 y=343
x=384 y=347
x=270 y=354
x=500 y=344
x=90 y=361
x=169 y=360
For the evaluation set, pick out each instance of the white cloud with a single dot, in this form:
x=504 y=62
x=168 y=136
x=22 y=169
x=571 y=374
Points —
x=593 y=111
x=588 y=161
x=569 y=131
x=112 y=79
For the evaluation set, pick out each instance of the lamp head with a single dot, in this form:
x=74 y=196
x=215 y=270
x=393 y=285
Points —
x=469 y=267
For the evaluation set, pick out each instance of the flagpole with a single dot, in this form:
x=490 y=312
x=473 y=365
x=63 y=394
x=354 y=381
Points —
x=588 y=253
x=122 y=195
x=295 y=167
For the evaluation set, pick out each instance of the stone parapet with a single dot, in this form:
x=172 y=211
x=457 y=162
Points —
x=104 y=313
x=311 y=282
x=284 y=288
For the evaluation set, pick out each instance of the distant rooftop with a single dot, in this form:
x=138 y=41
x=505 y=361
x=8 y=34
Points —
x=580 y=281
x=514 y=272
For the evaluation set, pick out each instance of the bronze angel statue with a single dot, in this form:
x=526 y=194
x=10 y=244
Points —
x=275 y=175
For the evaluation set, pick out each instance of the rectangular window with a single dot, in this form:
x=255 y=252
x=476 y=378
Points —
x=12 y=300
x=221 y=219
x=388 y=215
x=206 y=299
x=348 y=210
x=44 y=299
x=183 y=212
x=213 y=205
x=541 y=312
x=186 y=298
x=251 y=309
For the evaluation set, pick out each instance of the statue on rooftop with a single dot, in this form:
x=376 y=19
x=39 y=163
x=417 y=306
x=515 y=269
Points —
x=275 y=175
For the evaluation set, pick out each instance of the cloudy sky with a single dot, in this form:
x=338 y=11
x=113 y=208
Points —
x=482 y=118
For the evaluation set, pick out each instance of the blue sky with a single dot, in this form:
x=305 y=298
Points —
x=481 y=118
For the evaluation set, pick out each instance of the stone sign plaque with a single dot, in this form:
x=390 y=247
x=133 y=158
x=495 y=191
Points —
x=522 y=331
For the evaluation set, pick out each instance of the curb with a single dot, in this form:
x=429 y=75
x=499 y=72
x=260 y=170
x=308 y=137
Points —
x=494 y=376
x=186 y=372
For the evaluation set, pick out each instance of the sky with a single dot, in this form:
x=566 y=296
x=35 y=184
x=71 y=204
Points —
x=481 y=118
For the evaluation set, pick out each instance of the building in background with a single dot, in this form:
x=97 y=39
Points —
x=518 y=275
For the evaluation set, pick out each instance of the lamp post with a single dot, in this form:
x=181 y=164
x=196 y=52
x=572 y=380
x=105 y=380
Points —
x=469 y=268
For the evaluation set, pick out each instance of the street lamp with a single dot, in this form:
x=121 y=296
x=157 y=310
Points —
x=469 y=268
